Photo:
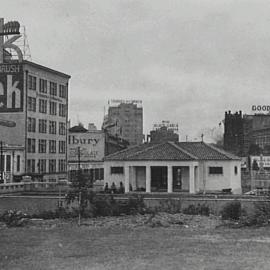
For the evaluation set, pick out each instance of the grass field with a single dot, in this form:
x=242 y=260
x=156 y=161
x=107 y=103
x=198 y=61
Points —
x=67 y=246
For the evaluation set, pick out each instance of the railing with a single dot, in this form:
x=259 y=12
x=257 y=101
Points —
x=11 y=187
x=33 y=186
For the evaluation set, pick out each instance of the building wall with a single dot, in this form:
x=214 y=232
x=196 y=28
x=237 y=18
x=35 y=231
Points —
x=50 y=174
x=20 y=134
x=217 y=182
x=129 y=122
x=12 y=165
x=204 y=181
x=16 y=134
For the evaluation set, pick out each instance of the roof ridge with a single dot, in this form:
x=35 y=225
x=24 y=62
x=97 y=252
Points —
x=143 y=150
x=181 y=149
x=223 y=152
x=122 y=151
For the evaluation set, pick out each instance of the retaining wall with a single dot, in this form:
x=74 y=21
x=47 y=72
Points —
x=37 y=204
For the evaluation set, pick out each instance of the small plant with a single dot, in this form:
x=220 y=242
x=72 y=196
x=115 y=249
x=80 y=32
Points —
x=197 y=210
x=134 y=205
x=14 y=218
x=232 y=211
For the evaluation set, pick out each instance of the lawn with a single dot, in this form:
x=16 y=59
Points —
x=64 y=245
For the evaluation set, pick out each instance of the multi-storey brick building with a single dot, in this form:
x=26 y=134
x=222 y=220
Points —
x=244 y=134
x=35 y=101
x=33 y=110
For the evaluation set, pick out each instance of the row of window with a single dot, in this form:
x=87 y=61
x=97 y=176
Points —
x=5 y=164
x=217 y=170
x=42 y=146
x=41 y=165
x=43 y=86
x=42 y=126
x=43 y=106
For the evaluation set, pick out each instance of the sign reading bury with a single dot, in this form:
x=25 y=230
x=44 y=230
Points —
x=11 y=88
x=90 y=144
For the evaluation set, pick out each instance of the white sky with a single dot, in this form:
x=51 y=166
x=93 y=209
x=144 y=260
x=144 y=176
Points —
x=187 y=60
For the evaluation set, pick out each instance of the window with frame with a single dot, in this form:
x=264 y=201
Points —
x=62 y=165
x=31 y=145
x=62 y=147
x=62 y=128
x=62 y=110
x=42 y=146
x=31 y=104
x=42 y=165
x=235 y=170
x=43 y=106
x=31 y=165
x=42 y=126
x=52 y=165
x=53 y=108
x=52 y=127
x=31 y=124
x=62 y=91
x=53 y=88
x=117 y=170
x=8 y=163
x=32 y=82
x=215 y=170
x=52 y=146
x=43 y=86
x=18 y=161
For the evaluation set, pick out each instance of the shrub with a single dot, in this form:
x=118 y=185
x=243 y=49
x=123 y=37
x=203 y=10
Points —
x=197 y=210
x=232 y=211
x=134 y=205
x=259 y=217
x=170 y=206
x=13 y=218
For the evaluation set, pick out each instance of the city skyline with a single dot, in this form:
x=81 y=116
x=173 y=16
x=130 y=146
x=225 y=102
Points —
x=187 y=61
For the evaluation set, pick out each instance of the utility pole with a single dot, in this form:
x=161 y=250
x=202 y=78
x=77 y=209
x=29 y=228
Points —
x=1 y=161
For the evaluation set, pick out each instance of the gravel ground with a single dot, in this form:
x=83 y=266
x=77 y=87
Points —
x=162 y=219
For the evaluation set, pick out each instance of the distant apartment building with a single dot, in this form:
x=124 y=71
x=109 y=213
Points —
x=125 y=120
x=247 y=134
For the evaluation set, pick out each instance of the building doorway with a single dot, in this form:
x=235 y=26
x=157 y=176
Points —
x=177 y=179
x=159 y=179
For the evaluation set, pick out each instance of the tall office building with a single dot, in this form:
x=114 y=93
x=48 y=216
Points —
x=125 y=120
x=33 y=111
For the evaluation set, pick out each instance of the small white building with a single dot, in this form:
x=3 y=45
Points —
x=173 y=167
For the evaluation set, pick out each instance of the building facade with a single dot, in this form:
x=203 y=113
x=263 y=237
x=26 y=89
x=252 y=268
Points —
x=247 y=134
x=162 y=134
x=12 y=163
x=34 y=108
x=87 y=149
x=125 y=121
x=174 y=167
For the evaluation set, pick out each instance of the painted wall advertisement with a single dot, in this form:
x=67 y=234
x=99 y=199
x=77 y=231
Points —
x=12 y=119
x=11 y=88
x=89 y=146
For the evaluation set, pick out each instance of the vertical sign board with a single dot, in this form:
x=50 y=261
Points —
x=12 y=118
x=90 y=144
x=11 y=88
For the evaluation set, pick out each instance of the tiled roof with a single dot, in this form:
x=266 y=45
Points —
x=172 y=151
x=204 y=151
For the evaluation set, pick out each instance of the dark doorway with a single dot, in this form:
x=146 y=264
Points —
x=177 y=179
x=159 y=179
